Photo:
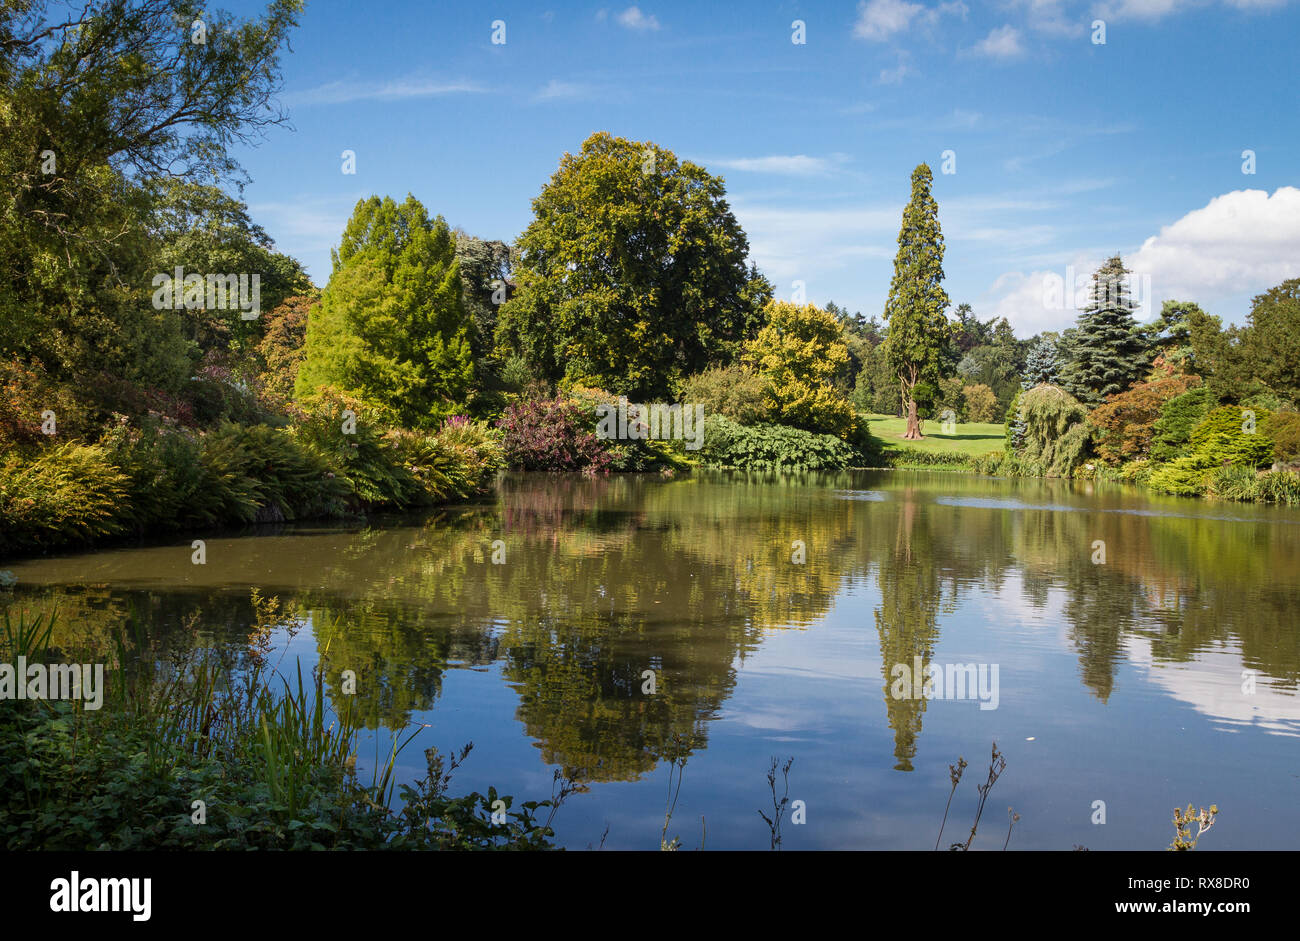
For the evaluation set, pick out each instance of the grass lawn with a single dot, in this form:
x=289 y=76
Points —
x=972 y=438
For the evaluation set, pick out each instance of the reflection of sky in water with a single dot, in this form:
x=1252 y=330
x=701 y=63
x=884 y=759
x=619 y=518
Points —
x=1212 y=685
x=1091 y=707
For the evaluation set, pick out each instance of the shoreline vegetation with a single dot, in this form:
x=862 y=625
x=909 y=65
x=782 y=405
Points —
x=431 y=360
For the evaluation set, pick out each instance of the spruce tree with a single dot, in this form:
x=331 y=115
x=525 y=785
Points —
x=1106 y=352
x=1042 y=364
x=919 y=331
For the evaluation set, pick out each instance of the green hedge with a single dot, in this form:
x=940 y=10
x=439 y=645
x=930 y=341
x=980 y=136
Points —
x=915 y=457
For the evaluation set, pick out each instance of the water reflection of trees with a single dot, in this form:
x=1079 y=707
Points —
x=606 y=578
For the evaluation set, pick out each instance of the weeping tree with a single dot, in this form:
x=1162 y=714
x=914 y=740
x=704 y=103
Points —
x=1055 y=431
x=919 y=332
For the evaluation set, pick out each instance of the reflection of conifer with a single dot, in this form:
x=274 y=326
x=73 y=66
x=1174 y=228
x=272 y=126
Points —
x=907 y=623
x=1101 y=611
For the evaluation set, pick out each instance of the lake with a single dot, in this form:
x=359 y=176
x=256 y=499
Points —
x=1119 y=647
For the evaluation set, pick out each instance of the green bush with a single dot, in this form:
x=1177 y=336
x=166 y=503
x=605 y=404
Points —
x=263 y=474
x=1015 y=433
x=167 y=479
x=734 y=392
x=1178 y=417
x=727 y=444
x=1185 y=476
x=71 y=493
x=916 y=457
x=1229 y=435
x=1279 y=487
x=1284 y=429
x=1234 y=482
x=458 y=461
x=349 y=436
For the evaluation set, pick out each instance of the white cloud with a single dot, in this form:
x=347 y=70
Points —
x=633 y=18
x=793 y=165
x=341 y=92
x=1002 y=42
x=1158 y=9
x=1139 y=9
x=1022 y=299
x=1050 y=17
x=1241 y=242
x=881 y=20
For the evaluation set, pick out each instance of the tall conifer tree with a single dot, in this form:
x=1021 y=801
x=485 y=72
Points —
x=1105 y=352
x=919 y=331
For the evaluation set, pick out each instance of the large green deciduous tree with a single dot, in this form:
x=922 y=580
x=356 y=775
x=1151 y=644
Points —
x=919 y=332
x=392 y=327
x=632 y=274
x=1106 y=352
x=96 y=100
x=1271 y=344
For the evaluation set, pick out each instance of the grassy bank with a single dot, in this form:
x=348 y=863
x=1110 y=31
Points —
x=956 y=449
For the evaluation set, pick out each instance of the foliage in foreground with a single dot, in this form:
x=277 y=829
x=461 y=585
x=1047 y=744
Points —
x=272 y=764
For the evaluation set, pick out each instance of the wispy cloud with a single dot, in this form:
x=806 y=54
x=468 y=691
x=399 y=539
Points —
x=1158 y=9
x=792 y=165
x=556 y=90
x=633 y=18
x=810 y=243
x=882 y=20
x=895 y=76
x=344 y=91
x=1003 y=42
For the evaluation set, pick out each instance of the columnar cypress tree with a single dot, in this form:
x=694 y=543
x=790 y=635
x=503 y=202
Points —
x=1105 y=352
x=919 y=332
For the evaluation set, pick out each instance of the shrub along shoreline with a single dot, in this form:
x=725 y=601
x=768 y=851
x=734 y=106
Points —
x=153 y=476
x=338 y=458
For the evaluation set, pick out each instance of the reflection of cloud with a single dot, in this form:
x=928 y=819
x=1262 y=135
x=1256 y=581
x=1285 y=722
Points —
x=1212 y=686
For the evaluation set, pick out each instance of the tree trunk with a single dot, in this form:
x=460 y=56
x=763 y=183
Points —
x=913 y=423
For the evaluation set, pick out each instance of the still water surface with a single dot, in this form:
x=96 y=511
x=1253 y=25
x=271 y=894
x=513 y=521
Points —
x=1126 y=680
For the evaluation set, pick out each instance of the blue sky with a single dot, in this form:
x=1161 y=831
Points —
x=1065 y=150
